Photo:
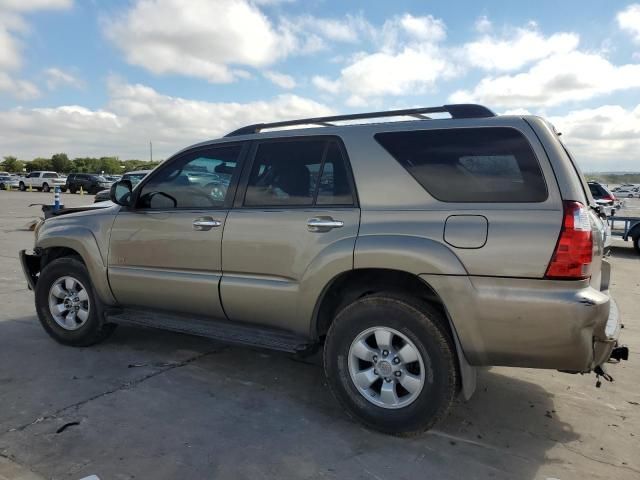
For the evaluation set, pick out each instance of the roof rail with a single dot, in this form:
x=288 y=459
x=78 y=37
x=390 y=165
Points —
x=461 y=110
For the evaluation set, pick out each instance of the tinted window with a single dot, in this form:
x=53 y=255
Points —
x=335 y=187
x=297 y=173
x=285 y=173
x=469 y=164
x=50 y=175
x=197 y=180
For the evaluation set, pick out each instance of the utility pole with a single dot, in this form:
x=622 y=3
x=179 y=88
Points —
x=151 y=150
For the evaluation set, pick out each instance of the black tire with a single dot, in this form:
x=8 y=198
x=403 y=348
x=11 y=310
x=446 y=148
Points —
x=72 y=190
x=63 y=189
x=636 y=243
x=420 y=323
x=2 y=187
x=95 y=329
x=45 y=187
x=22 y=187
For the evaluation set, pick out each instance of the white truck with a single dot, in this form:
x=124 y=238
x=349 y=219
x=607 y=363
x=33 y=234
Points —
x=43 y=181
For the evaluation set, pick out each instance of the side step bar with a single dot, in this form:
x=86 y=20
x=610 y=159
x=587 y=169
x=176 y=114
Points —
x=222 y=330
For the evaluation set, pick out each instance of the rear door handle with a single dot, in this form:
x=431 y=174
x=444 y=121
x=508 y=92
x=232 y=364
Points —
x=323 y=224
x=205 y=223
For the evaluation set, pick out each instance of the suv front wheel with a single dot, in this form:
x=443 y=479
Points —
x=67 y=306
x=391 y=364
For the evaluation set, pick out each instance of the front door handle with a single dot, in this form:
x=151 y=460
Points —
x=205 y=223
x=323 y=224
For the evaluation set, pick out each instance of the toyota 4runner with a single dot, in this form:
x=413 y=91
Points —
x=410 y=251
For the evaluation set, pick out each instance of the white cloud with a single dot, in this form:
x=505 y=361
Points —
x=20 y=89
x=31 y=5
x=409 y=59
x=560 y=78
x=606 y=138
x=207 y=40
x=348 y=29
x=280 y=79
x=10 y=55
x=134 y=115
x=12 y=27
x=517 y=49
x=629 y=21
x=483 y=24
x=57 y=78
x=426 y=29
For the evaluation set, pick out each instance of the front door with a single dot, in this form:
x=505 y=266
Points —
x=295 y=222
x=165 y=252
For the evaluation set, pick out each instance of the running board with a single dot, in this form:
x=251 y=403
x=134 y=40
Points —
x=222 y=330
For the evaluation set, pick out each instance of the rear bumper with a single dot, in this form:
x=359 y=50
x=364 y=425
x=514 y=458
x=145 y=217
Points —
x=562 y=325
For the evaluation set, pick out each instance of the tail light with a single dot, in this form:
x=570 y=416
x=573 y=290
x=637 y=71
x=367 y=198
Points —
x=610 y=197
x=574 y=251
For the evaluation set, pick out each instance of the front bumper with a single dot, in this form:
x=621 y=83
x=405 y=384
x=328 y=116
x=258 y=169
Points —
x=30 y=267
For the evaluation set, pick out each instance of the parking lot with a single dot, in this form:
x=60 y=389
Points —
x=154 y=405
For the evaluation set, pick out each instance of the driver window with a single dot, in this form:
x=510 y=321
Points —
x=198 y=180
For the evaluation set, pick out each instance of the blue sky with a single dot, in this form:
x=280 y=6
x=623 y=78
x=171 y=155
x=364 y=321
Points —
x=104 y=78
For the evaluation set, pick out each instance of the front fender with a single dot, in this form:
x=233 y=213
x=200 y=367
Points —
x=81 y=240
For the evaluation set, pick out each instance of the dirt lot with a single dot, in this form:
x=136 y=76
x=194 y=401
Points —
x=154 y=405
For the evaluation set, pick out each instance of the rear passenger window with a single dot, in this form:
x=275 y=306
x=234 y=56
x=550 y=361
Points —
x=298 y=173
x=493 y=164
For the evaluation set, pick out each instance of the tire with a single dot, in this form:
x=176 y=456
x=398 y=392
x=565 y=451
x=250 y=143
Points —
x=22 y=187
x=84 y=332
x=63 y=189
x=2 y=187
x=636 y=243
x=45 y=187
x=415 y=324
x=72 y=190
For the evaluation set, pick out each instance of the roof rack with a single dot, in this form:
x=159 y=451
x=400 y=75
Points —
x=461 y=110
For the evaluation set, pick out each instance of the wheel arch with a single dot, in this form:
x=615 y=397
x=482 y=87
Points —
x=347 y=287
x=80 y=242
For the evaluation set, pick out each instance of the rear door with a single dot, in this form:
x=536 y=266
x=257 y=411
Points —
x=295 y=213
x=165 y=252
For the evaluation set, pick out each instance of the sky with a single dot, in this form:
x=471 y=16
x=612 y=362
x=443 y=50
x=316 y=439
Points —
x=103 y=78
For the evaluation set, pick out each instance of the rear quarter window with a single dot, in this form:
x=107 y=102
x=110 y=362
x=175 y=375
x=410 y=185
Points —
x=489 y=164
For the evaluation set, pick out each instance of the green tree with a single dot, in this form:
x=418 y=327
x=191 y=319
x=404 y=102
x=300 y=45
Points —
x=109 y=165
x=12 y=164
x=39 y=164
x=61 y=163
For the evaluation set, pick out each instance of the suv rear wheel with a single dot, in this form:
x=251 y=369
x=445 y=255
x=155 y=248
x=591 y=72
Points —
x=390 y=364
x=45 y=187
x=67 y=306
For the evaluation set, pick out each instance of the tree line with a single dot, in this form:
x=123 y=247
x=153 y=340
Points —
x=61 y=163
x=619 y=178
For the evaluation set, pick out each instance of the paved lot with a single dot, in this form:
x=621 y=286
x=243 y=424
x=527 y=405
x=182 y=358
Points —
x=155 y=405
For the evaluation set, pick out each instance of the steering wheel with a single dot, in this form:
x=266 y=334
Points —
x=218 y=191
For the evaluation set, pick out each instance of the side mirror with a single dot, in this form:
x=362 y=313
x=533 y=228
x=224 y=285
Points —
x=120 y=193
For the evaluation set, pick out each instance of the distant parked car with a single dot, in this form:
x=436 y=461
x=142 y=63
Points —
x=626 y=191
x=602 y=194
x=133 y=177
x=42 y=181
x=8 y=181
x=90 y=183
